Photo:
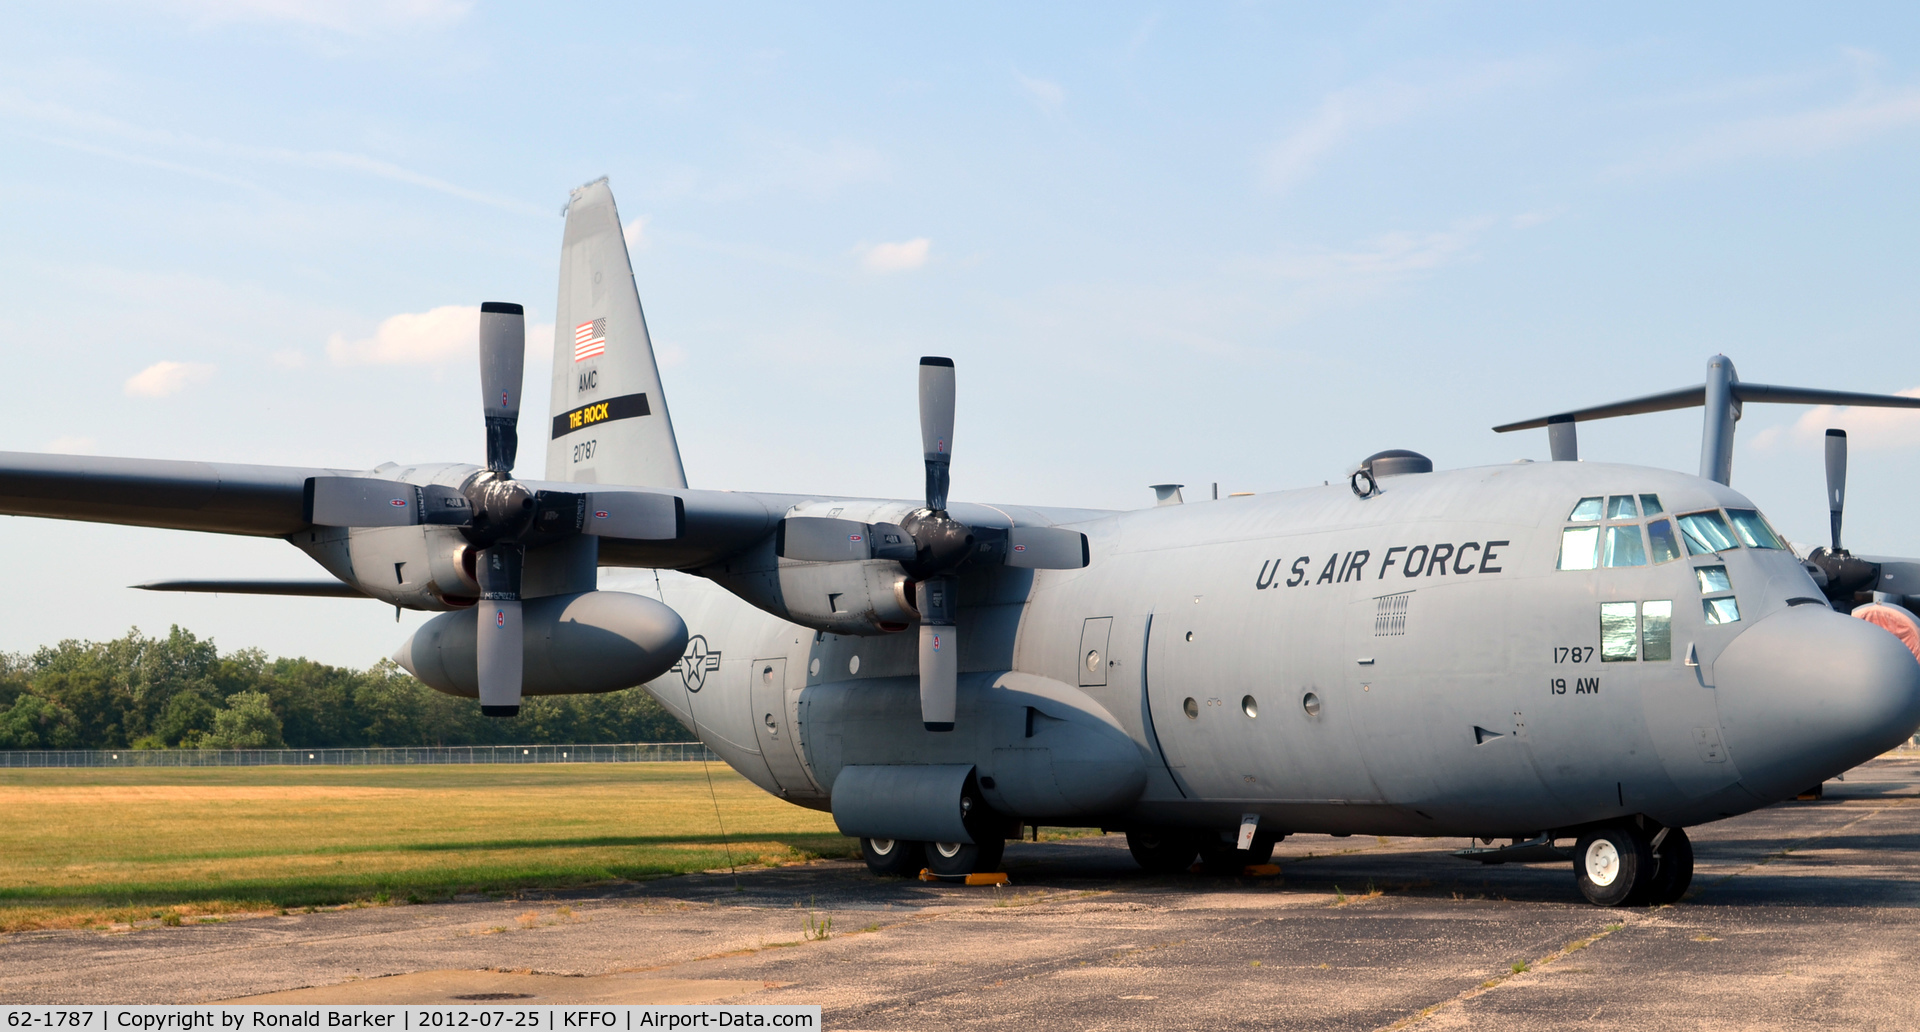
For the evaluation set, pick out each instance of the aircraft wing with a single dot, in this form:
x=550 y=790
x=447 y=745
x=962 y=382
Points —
x=220 y=497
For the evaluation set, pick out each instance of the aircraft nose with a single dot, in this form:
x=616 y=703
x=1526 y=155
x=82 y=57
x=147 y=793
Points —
x=1808 y=693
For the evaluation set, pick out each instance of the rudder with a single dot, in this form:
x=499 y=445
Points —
x=610 y=423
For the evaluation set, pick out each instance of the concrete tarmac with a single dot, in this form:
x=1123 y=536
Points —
x=1803 y=915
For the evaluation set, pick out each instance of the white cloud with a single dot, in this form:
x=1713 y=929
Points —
x=86 y=123
x=356 y=17
x=1870 y=113
x=636 y=234
x=1385 y=257
x=163 y=378
x=1865 y=427
x=413 y=338
x=908 y=254
x=1346 y=113
x=72 y=445
x=1048 y=96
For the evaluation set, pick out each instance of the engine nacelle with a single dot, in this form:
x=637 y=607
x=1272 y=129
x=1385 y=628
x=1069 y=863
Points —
x=871 y=597
x=416 y=567
x=597 y=641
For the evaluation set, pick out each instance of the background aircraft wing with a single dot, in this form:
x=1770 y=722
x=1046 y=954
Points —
x=224 y=498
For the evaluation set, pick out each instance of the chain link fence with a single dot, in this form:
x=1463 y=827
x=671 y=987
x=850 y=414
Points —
x=638 y=752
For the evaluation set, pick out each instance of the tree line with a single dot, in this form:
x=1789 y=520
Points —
x=179 y=692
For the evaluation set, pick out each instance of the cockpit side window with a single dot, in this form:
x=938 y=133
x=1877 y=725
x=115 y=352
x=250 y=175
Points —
x=1623 y=547
x=1665 y=547
x=1579 y=547
x=1707 y=533
x=1586 y=510
x=1753 y=529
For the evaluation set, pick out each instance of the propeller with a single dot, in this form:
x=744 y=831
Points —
x=931 y=546
x=1840 y=574
x=495 y=513
x=1836 y=480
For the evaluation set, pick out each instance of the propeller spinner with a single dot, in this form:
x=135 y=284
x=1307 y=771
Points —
x=931 y=546
x=495 y=513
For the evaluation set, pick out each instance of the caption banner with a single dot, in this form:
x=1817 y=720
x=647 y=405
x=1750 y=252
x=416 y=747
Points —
x=404 y=1019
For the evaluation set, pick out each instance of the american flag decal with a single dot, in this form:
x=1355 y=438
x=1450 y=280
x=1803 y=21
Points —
x=589 y=340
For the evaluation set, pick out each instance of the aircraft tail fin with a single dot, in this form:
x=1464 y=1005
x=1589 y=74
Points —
x=610 y=421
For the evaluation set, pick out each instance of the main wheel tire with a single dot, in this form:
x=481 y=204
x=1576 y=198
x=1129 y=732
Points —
x=1672 y=869
x=954 y=858
x=1162 y=852
x=1223 y=861
x=895 y=858
x=1612 y=865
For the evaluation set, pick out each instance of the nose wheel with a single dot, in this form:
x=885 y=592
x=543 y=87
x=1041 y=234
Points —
x=1628 y=865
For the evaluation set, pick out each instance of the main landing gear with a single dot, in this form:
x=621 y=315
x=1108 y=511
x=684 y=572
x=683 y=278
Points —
x=902 y=859
x=1628 y=864
x=1171 y=851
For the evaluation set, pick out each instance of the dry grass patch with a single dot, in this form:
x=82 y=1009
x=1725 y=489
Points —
x=95 y=847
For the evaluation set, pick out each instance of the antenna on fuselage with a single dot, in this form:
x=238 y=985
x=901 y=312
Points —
x=1722 y=396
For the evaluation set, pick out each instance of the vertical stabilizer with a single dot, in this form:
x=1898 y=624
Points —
x=610 y=422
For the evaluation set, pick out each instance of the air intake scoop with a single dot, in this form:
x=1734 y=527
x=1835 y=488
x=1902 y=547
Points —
x=1395 y=461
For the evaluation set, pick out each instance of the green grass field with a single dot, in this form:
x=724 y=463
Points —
x=93 y=847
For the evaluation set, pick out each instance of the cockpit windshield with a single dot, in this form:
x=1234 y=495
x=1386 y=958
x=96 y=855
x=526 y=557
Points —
x=1706 y=533
x=1753 y=529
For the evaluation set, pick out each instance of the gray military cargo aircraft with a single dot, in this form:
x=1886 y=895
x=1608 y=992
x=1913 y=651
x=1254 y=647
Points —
x=1535 y=652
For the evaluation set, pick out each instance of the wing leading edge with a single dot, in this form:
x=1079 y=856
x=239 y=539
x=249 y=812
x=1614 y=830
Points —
x=218 y=497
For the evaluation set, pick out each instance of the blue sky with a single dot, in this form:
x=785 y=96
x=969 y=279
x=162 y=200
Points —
x=1237 y=243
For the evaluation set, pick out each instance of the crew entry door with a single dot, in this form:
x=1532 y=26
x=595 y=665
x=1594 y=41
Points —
x=772 y=725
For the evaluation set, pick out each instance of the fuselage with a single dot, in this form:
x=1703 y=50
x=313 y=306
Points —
x=1415 y=662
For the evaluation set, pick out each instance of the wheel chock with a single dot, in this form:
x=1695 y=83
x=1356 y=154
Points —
x=995 y=878
x=1261 y=870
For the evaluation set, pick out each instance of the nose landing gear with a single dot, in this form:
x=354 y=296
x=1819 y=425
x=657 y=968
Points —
x=1630 y=865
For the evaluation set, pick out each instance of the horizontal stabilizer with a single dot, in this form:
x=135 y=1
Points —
x=1694 y=397
x=312 y=588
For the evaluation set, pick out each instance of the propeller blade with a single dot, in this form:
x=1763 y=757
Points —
x=936 y=426
x=361 y=502
x=634 y=515
x=939 y=675
x=939 y=653
x=503 y=354
x=499 y=645
x=1836 y=480
x=822 y=539
x=1046 y=548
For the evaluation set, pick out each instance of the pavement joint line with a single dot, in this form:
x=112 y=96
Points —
x=1783 y=851
x=955 y=986
x=1502 y=978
